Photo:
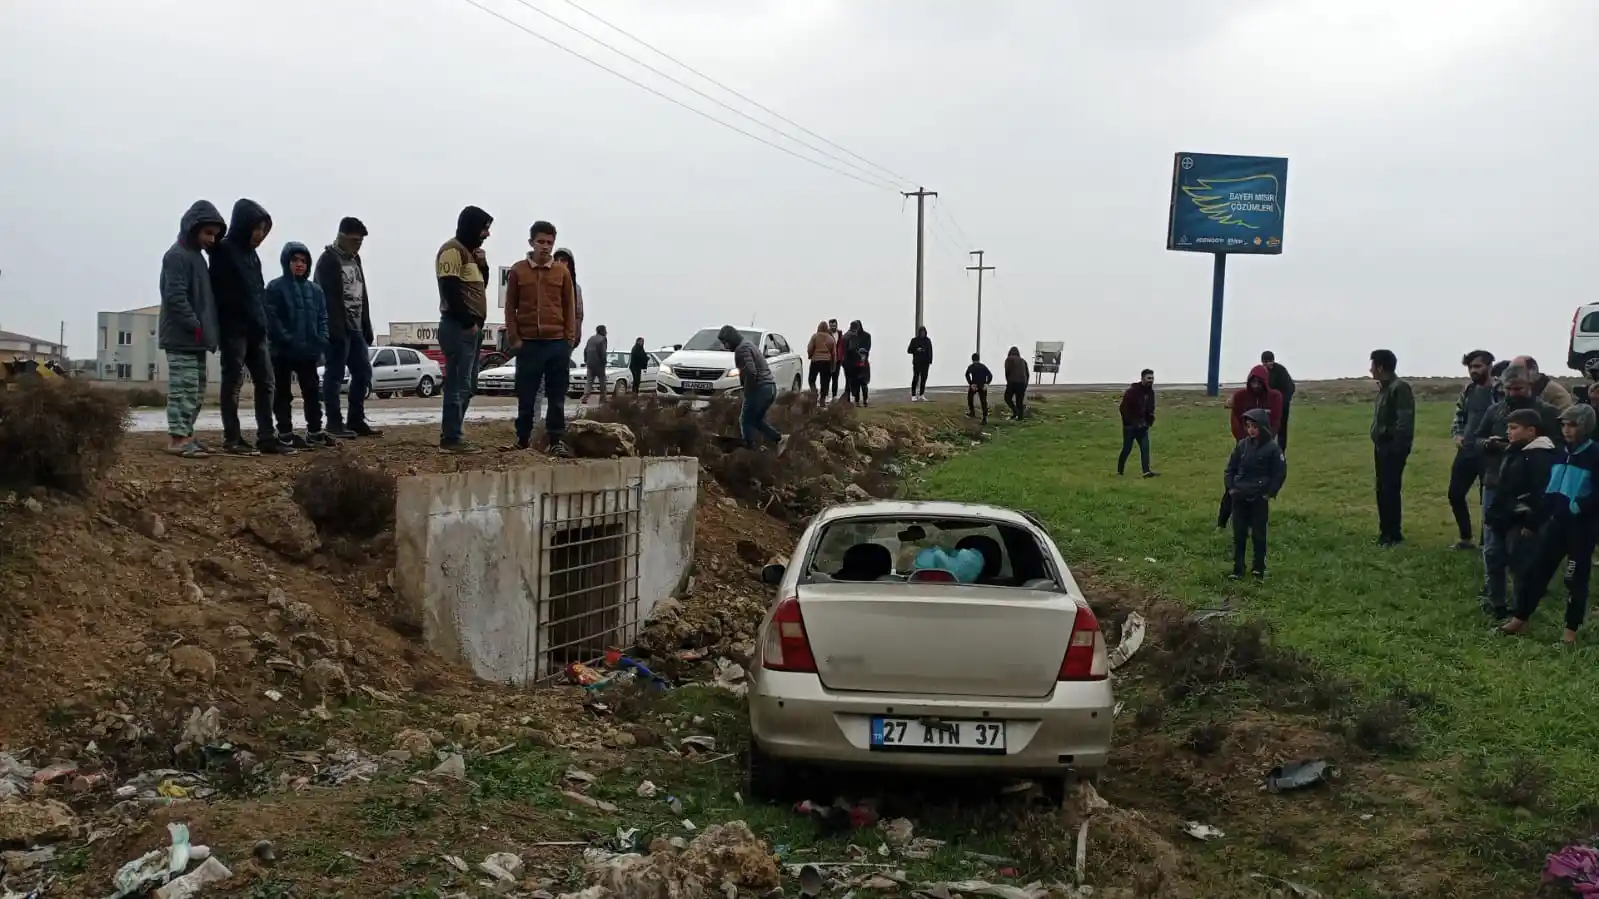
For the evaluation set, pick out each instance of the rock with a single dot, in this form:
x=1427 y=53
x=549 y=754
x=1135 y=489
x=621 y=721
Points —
x=532 y=736
x=873 y=439
x=33 y=505
x=326 y=678
x=751 y=552
x=642 y=735
x=280 y=525
x=414 y=741
x=189 y=660
x=149 y=524
x=589 y=439
x=453 y=766
x=855 y=493
x=299 y=614
x=29 y=823
x=277 y=599
x=466 y=723
x=620 y=740
x=237 y=632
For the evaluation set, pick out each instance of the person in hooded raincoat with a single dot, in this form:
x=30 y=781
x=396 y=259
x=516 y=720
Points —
x=297 y=327
x=187 y=327
x=1255 y=473
x=241 y=311
x=1255 y=394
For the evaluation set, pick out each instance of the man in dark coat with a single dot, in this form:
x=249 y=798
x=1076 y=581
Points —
x=1138 y=416
x=1278 y=379
x=239 y=285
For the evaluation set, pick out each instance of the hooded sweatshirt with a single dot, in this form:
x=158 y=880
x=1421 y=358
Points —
x=236 y=275
x=596 y=352
x=1474 y=403
x=1257 y=467
x=1570 y=495
x=1520 y=482
x=296 y=311
x=921 y=350
x=1256 y=394
x=751 y=365
x=344 y=290
x=857 y=347
x=188 y=321
x=463 y=280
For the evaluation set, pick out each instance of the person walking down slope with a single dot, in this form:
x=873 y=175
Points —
x=1393 y=432
x=1571 y=527
x=819 y=351
x=297 y=326
x=1138 y=416
x=541 y=329
x=978 y=377
x=241 y=311
x=921 y=353
x=1278 y=379
x=595 y=356
x=759 y=389
x=1254 y=475
x=638 y=359
x=1016 y=377
x=1255 y=394
x=462 y=271
x=1475 y=400
x=343 y=281
x=187 y=326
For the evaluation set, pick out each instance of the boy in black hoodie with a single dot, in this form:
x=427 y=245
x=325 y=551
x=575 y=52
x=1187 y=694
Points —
x=1255 y=473
x=921 y=353
x=1516 y=511
x=238 y=283
x=978 y=377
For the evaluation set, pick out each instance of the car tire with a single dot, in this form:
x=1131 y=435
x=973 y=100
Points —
x=425 y=387
x=769 y=779
x=384 y=394
x=619 y=387
x=1582 y=362
x=797 y=386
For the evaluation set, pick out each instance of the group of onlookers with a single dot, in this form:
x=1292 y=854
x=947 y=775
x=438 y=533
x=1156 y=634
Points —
x=833 y=355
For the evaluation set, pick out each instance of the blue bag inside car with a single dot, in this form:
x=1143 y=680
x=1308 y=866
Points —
x=965 y=564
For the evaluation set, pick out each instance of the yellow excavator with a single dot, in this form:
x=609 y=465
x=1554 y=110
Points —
x=17 y=369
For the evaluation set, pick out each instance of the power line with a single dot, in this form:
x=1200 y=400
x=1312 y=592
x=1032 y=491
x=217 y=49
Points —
x=766 y=109
x=667 y=97
x=940 y=208
x=727 y=106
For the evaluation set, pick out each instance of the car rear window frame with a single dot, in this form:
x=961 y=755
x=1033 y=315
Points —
x=806 y=574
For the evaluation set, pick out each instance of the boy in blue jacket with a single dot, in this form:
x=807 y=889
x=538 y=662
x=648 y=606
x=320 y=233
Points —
x=297 y=326
x=1255 y=473
x=1570 y=527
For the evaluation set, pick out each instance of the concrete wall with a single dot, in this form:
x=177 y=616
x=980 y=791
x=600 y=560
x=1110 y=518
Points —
x=474 y=560
x=146 y=364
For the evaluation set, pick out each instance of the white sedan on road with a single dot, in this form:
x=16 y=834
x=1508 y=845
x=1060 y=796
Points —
x=888 y=647
x=618 y=376
x=704 y=368
x=398 y=370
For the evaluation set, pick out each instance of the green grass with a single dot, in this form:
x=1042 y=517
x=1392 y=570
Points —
x=1404 y=618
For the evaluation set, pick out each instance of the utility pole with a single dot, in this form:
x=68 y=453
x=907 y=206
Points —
x=921 y=194
x=979 y=268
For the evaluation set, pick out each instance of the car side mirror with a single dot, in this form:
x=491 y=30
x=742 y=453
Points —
x=772 y=575
x=773 y=351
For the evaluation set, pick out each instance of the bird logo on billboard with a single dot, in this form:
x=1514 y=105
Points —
x=1233 y=201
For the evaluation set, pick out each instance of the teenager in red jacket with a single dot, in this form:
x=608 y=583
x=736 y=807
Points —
x=1255 y=394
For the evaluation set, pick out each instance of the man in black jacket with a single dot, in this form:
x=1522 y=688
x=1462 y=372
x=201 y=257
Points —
x=237 y=281
x=921 y=353
x=1278 y=379
x=638 y=360
x=978 y=377
x=343 y=282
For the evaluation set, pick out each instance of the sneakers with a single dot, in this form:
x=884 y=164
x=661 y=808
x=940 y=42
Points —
x=365 y=430
x=559 y=449
x=272 y=446
x=1463 y=545
x=239 y=448
x=517 y=446
x=294 y=441
x=459 y=448
x=321 y=439
x=1151 y=474
x=340 y=432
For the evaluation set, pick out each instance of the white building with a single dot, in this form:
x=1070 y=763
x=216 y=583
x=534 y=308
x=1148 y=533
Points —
x=128 y=349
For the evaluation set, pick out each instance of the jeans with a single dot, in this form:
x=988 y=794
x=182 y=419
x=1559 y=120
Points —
x=304 y=371
x=821 y=371
x=1390 y=468
x=239 y=353
x=461 y=358
x=1490 y=540
x=1130 y=436
x=980 y=394
x=595 y=382
x=185 y=391
x=1250 y=515
x=918 y=379
x=1562 y=538
x=1282 y=431
x=1506 y=556
x=752 y=420
x=1016 y=399
x=546 y=365
x=1464 y=472
x=347 y=353
x=834 y=372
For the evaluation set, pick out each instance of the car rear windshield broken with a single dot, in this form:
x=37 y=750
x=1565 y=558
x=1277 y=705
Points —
x=975 y=551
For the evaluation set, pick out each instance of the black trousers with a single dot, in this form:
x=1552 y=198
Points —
x=834 y=372
x=638 y=375
x=1282 y=431
x=979 y=395
x=1466 y=470
x=1561 y=539
x=1390 y=468
x=822 y=373
x=918 y=379
x=1016 y=399
x=285 y=373
x=855 y=385
x=1131 y=436
x=239 y=354
x=1249 y=524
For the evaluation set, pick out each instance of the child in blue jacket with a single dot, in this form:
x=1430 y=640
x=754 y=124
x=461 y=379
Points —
x=1255 y=473
x=297 y=330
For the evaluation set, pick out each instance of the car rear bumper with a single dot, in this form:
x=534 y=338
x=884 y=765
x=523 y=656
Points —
x=794 y=718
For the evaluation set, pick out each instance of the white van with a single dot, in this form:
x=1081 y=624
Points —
x=1584 y=343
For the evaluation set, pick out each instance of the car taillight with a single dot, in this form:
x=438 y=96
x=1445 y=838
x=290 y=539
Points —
x=1086 y=658
x=787 y=646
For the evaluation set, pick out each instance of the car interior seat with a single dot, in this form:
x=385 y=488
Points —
x=865 y=562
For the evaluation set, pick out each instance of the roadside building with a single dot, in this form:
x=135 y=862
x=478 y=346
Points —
x=14 y=346
x=128 y=350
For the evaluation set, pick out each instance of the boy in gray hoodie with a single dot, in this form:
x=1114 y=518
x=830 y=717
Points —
x=188 y=325
x=1255 y=473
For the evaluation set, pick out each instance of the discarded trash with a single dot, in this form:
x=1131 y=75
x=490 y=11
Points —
x=838 y=817
x=624 y=664
x=1116 y=711
x=589 y=801
x=810 y=881
x=264 y=852
x=675 y=804
x=506 y=867
x=698 y=744
x=453 y=766
x=898 y=832
x=1297 y=775
x=351 y=765
x=646 y=790
x=688 y=825
x=172 y=790
x=1080 y=863
x=155 y=867
x=54 y=774
x=1000 y=890
x=212 y=871
x=579 y=776
x=1204 y=615
x=731 y=676
x=273 y=695
x=582 y=675
x=458 y=863
x=1132 y=638
x=1202 y=832
x=1577 y=866
x=1298 y=889
x=922 y=848
x=723 y=857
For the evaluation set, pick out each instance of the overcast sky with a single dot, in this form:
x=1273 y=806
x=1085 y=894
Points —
x=1437 y=195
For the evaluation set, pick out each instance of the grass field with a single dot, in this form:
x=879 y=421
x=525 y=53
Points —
x=1404 y=619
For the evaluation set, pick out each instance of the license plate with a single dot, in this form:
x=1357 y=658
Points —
x=910 y=734
x=698 y=385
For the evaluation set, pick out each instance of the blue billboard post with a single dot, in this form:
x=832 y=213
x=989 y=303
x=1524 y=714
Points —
x=1222 y=205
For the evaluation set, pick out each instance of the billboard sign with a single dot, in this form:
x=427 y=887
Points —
x=1227 y=204
x=505 y=277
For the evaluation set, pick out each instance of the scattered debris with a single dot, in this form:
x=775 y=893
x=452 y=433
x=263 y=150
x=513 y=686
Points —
x=984 y=888
x=26 y=823
x=590 y=801
x=210 y=871
x=1204 y=615
x=694 y=745
x=1203 y=832
x=731 y=676
x=504 y=867
x=646 y=790
x=154 y=868
x=579 y=776
x=1132 y=637
x=898 y=832
x=1299 y=890
x=1576 y=867
x=811 y=881
x=726 y=859
x=1297 y=775
x=453 y=766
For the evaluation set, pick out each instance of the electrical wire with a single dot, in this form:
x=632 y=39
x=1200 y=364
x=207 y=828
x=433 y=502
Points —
x=865 y=172
x=766 y=109
x=940 y=210
x=667 y=97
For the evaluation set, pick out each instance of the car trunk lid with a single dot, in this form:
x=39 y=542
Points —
x=961 y=640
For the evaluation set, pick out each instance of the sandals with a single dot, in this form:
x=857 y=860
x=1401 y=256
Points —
x=190 y=450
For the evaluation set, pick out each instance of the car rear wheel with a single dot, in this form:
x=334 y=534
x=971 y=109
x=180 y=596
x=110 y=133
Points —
x=619 y=388
x=770 y=779
x=425 y=387
x=384 y=394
